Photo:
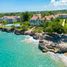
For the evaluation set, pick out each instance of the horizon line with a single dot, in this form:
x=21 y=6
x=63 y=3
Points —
x=33 y=11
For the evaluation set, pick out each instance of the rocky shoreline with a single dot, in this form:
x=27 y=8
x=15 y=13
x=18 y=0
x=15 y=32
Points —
x=47 y=42
x=54 y=43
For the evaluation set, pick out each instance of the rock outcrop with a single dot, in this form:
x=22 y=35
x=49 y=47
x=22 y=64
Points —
x=46 y=45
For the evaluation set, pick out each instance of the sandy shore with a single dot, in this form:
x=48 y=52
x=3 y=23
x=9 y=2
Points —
x=58 y=57
x=63 y=58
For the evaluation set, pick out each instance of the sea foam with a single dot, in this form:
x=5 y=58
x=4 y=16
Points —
x=29 y=39
x=58 y=57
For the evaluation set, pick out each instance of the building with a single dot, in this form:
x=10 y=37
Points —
x=48 y=18
x=1 y=19
x=36 y=20
x=63 y=16
x=11 y=19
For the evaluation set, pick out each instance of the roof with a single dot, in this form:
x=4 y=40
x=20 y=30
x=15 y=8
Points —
x=36 y=16
x=11 y=17
x=60 y=15
x=48 y=17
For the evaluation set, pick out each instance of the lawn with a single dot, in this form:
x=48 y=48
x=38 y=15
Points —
x=65 y=25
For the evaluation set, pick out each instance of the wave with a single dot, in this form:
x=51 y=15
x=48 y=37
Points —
x=58 y=57
x=63 y=58
x=29 y=39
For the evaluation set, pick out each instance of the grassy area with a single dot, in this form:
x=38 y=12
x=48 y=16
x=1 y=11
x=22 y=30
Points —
x=49 y=26
x=65 y=25
x=1 y=26
x=17 y=23
x=61 y=21
x=38 y=30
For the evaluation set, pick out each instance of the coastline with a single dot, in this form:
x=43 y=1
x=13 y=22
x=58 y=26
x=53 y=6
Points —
x=30 y=39
x=13 y=44
x=55 y=56
x=47 y=42
x=63 y=58
x=54 y=43
x=59 y=56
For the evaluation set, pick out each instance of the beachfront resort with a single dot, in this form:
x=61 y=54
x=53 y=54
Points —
x=49 y=29
x=40 y=21
x=33 y=33
x=45 y=31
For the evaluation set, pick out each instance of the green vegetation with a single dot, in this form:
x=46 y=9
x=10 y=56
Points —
x=38 y=30
x=25 y=17
x=25 y=26
x=65 y=27
x=16 y=22
x=55 y=25
x=4 y=22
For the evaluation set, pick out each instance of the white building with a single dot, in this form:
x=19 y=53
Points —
x=35 y=20
x=11 y=19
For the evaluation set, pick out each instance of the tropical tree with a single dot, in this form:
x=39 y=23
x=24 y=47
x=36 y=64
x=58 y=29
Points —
x=25 y=26
x=53 y=26
x=25 y=17
x=5 y=22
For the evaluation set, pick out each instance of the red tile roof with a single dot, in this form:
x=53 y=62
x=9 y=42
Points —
x=11 y=17
x=35 y=17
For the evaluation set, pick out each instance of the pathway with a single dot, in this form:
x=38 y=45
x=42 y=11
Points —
x=63 y=23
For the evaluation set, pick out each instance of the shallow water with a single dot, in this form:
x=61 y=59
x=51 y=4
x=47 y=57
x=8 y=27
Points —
x=16 y=51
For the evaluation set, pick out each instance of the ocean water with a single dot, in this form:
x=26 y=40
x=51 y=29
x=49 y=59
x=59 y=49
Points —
x=22 y=51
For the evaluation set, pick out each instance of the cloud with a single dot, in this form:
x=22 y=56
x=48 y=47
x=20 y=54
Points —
x=59 y=2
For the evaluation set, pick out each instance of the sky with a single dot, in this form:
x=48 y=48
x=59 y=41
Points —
x=31 y=5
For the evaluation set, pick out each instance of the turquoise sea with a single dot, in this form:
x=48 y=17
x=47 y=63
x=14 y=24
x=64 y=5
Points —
x=15 y=51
